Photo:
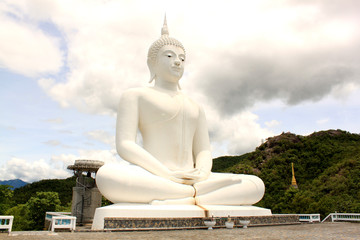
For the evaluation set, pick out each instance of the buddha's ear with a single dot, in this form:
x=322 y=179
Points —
x=151 y=66
x=152 y=77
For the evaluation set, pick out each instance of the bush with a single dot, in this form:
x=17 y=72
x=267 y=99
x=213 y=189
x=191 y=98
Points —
x=40 y=204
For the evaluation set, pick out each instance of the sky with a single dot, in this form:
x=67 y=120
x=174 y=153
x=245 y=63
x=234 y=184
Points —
x=259 y=68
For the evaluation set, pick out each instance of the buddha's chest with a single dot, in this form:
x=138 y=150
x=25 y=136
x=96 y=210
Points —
x=162 y=107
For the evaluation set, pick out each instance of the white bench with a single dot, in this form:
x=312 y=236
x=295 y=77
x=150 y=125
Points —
x=49 y=215
x=63 y=222
x=6 y=222
x=309 y=217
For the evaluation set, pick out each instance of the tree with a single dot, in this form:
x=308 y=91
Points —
x=21 y=217
x=40 y=204
x=6 y=195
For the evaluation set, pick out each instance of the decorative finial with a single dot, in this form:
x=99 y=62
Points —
x=293 y=180
x=164 y=30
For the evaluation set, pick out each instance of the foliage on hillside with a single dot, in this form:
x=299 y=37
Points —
x=29 y=203
x=62 y=186
x=31 y=215
x=41 y=203
x=327 y=170
x=6 y=195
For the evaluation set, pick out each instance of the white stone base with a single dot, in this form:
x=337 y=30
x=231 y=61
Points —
x=127 y=210
x=238 y=211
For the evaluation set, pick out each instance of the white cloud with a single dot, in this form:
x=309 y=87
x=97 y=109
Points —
x=46 y=82
x=272 y=123
x=235 y=135
x=261 y=46
x=56 y=167
x=55 y=120
x=52 y=143
x=102 y=62
x=32 y=171
x=102 y=155
x=343 y=91
x=56 y=143
x=102 y=136
x=27 y=50
x=322 y=121
x=64 y=159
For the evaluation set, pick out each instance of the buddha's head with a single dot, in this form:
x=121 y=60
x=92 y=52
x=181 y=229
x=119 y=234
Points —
x=161 y=47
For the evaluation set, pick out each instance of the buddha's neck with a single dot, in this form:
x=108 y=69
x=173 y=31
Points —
x=165 y=85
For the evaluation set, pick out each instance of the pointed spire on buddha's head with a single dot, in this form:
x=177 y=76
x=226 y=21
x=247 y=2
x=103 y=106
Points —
x=164 y=29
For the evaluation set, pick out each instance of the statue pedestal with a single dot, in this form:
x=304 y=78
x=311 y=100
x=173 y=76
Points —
x=177 y=213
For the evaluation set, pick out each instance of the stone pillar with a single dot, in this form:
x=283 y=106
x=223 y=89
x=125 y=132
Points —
x=84 y=203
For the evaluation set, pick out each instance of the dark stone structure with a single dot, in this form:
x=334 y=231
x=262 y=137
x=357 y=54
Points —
x=86 y=196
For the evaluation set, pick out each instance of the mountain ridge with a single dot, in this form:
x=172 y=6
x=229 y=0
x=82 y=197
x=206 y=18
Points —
x=14 y=183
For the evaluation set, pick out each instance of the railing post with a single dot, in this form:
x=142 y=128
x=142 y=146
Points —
x=52 y=224
x=10 y=223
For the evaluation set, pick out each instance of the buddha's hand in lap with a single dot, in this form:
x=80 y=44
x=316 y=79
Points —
x=189 y=177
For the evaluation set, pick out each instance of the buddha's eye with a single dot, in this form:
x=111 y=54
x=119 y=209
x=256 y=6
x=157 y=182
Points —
x=169 y=56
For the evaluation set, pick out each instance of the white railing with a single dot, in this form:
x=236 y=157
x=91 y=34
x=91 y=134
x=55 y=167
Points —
x=343 y=217
x=6 y=222
x=50 y=215
x=309 y=217
x=63 y=222
x=60 y=220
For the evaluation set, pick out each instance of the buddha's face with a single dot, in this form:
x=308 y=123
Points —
x=169 y=65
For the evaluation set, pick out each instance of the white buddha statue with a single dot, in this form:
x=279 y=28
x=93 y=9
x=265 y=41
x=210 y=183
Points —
x=174 y=164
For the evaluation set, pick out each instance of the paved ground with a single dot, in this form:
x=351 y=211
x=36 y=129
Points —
x=326 y=231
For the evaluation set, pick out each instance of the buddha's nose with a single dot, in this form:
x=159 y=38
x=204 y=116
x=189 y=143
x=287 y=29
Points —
x=177 y=63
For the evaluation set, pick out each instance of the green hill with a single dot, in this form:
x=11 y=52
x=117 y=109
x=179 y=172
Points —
x=327 y=170
x=62 y=186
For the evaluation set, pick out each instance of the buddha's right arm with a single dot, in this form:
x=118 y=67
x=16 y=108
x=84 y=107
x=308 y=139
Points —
x=126 y=130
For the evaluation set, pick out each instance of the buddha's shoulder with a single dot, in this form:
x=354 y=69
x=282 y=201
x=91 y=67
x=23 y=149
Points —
x=135 y=92
x=192 y=101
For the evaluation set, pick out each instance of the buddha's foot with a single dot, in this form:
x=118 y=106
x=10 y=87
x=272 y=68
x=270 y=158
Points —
x=182 y=201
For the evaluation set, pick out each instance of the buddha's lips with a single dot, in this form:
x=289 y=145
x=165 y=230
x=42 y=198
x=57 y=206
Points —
x=176 y=68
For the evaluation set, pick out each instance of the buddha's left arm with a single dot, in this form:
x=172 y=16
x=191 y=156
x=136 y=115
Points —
x=201 y=146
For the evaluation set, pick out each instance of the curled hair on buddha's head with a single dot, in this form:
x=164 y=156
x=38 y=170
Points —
x=164 y=40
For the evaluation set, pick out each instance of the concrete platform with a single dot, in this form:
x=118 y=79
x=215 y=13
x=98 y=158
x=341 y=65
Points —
x=138 y=213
